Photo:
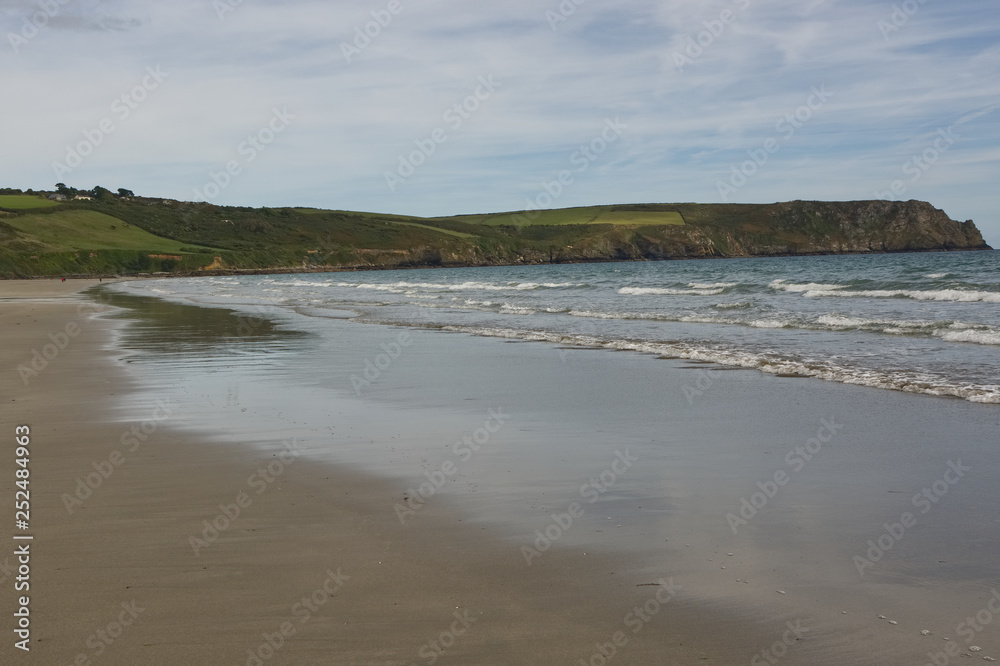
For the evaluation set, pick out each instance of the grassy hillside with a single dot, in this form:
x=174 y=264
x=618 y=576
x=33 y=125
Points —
x=141 y=235
x=74 y=229
x=636 y=216
x=24 y=202
x=67 y=239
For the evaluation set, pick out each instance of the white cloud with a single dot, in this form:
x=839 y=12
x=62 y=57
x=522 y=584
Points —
x=890 y=91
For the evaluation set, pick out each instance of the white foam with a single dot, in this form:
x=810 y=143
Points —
x=839 y=321
x=842 y=322
x=590 y=314
x=979 y=337
x=908 y=381
x=507 y=308
x=399 y=287
x=784 y=285
x=937 y=276
x=305 y=283
x=661 y=291
x=734 y=306
x=952 y=295
x=711 y=285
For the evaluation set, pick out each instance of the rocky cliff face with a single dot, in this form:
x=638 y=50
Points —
x=268 y=240
x=788 y=228
x=876 y=226
x=709 y=230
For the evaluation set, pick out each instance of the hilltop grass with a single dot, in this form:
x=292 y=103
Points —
x=73 y=230
x=639 y=218
x=143 y=235
x=24 y=202
x=457 y=234
x=633 y=216
x=386 y=217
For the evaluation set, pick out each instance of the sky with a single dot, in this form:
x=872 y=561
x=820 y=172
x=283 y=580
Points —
x=443 y=107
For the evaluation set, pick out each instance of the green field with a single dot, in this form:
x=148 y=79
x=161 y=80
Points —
x=638 y=218
x=634 y=216
x=140 y=235
x=24 y=202
x=387 y=218
x=359 y=215
x=457 y=234
x=71 y=230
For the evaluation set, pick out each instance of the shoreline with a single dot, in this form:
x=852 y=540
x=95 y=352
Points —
x=395 y=589
x=318 y=532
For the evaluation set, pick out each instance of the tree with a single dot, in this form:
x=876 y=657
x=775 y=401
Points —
x=100 y=193
x=68 y=192
x=125 y=194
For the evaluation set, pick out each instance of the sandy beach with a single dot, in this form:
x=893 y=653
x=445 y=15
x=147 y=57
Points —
x=315 y=571
x=218 y=503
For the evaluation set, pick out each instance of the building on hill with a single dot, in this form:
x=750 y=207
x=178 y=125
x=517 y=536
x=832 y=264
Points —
x=57 y=197
x=83 y=197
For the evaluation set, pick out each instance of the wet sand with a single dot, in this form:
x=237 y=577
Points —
x=117 y=582
x=396 y=589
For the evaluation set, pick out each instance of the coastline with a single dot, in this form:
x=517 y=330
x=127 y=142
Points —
x=401 y=586
x=395 y=591
x=296 y=270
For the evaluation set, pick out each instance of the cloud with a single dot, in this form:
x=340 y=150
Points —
x=757 y=61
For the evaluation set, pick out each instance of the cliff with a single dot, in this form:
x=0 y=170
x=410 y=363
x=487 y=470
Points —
x=142 y=235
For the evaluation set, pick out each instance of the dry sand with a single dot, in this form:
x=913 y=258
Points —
x=399 y=588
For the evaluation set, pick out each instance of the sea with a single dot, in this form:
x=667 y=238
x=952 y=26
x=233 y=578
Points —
x=923 y=323
x=758 y=429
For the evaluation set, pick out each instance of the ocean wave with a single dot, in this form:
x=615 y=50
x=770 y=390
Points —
x=506 y=308
x=712 y=285
x=662 y=291
x=784 y=285
x=820 y=290
x=625 y=316
x=498 y=307
x=741 y=305
x=937 y=276
x=911 y=382
x=979 y=337
x=956 y=331
x=401 y=287
x=302 y=283
x=950 y=295
x=650 y=316
x=842 y=322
